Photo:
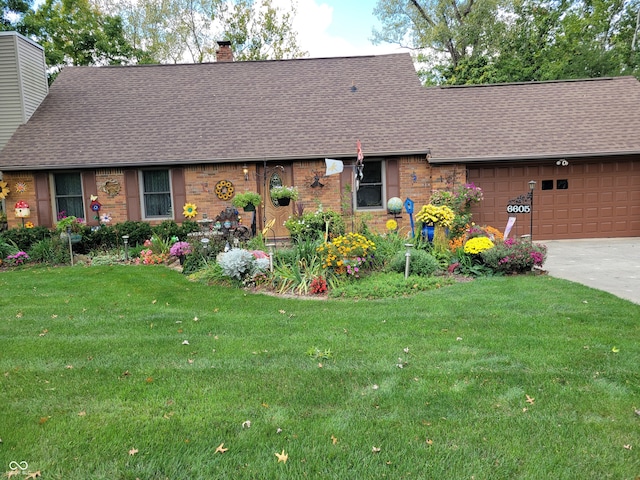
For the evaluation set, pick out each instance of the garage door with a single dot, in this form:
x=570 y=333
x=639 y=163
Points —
x=582 y=199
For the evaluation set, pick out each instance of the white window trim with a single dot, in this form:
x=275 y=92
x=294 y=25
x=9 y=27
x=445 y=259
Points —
x=382 y=207
x=143 y=209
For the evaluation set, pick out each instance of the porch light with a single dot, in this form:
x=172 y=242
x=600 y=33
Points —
x=245 y=170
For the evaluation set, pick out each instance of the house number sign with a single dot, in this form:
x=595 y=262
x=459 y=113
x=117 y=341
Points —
x=521 y=204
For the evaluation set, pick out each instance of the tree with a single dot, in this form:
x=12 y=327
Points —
x=74 y=32
x=187 y=30
x=11 y=11
x=443 y=32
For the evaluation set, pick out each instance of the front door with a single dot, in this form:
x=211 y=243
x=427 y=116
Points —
x=276 y=175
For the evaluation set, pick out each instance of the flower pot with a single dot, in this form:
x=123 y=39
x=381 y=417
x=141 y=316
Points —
x=250 y=208
x=428 y=232
x=283 y=202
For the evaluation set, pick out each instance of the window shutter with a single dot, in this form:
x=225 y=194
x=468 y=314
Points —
x=393 y=179
x=43 y=200
x=133 y=195
x=179 y=194
x=89 y=188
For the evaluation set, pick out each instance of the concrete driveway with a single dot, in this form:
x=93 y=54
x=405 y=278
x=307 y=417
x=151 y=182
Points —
x=609 y=264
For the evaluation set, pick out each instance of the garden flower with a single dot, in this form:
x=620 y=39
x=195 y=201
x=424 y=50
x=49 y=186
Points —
x=477 y=245
x=180 y=248
x=105 y=218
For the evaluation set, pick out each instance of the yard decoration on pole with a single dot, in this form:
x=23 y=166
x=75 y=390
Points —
x=408 y=207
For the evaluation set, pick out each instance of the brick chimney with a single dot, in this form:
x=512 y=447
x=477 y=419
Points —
x=224 y=52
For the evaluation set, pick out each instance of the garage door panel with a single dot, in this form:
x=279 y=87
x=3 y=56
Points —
x=602 y=198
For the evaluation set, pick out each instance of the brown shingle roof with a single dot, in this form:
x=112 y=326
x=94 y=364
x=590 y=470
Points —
x=535 y=120
x=221 y=112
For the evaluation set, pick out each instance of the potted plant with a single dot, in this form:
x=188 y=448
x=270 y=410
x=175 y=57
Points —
x=247 y=200
x=71 y=226
x=283 y=195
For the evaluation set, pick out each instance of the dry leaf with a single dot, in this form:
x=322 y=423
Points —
x=43 y=333
x=615 y=349
x=190 y=360
x=186 y=342
x=82 y=414
x=13 y=473
x=154 y=302
x=133 y=451
x=282 y=457
x=126 y=373
x=33 y=475
x=265 y=405
x=221 y=448
x=319 y=365
x=69 y=367
x=282 y=311
x=628 y=447
x=43 y=420
x=54 y=316
x=195 y=319
x=530 y=400
x=334 y=440
x=149 y=380
x=19 y=315
x=429 y=441
x=279 y=430
x=375 y=450
x=246 y=424
x=216 y=310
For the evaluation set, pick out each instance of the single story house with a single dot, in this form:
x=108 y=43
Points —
x=146 y=140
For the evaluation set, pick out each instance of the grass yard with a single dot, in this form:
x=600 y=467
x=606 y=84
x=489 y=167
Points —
x=136 y=373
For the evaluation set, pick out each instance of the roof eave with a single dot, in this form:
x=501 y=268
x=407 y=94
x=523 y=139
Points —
x=525 y=158
x=175 y=163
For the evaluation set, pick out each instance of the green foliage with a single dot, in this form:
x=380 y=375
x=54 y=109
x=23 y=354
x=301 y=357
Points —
x=107 y=259
x=315 y=225
x=23 y=238
x=514 y=256
x=241 y=200
x=76 y=32
x=167 y=229
x=138 y=231
x=7 y=247
x=387 y=285
x=51 y=251
x=421 y=263
x=104 y=238
x=10 y=10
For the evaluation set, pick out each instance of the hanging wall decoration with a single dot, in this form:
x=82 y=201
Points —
x=111 y=187
x=224 y=189
x=4 y=191
x=190 y=210
x=20 y=187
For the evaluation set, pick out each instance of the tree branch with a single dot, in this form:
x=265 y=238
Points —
x=423 y=13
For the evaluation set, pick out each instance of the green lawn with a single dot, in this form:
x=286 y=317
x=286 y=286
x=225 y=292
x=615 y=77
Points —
x=525 y=377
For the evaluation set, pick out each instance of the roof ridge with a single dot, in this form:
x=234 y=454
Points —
x=535 y=82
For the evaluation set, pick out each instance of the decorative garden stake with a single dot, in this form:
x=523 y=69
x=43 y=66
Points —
x=408 y=207
x=532 y=186
x=408 y=259
x=125 y=239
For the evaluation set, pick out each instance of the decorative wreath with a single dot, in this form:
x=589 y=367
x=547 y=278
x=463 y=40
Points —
x=224 y=189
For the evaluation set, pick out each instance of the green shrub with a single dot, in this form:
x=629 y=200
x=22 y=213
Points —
x=421 y=263
x=23 y=238
x=314 y=225
x=52 y=251
x=514 y=256
x=138 y=231
x=7 y=247
x=107 y=259
x=103 y=238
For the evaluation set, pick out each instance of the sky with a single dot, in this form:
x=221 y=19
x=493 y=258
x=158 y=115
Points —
x=332 y=28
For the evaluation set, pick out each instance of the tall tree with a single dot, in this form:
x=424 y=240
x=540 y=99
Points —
x=186 y=30
x=11 y=12
x=74 y=32
x=442 y=32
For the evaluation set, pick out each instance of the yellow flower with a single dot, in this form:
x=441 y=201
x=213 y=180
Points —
x=190 y=210
x=477 y=245
x=29 y=225
x=4 y=191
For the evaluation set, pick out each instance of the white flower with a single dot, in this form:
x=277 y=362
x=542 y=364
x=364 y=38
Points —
x=105 y=218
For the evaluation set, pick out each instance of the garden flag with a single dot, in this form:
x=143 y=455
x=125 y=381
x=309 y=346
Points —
x=510 y=223
x=360 y=155
x=359 y=165
x=333 y=166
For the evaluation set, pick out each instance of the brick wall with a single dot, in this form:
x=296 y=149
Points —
x=28 y=196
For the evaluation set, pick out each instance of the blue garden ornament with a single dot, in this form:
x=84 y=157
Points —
x=408 y=207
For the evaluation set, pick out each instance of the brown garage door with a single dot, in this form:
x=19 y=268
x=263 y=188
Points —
x=583 y=199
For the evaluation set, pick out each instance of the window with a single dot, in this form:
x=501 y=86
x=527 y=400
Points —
x=156 y=194
x=547 y=184
x=562 y=184
x=68 y=193
x=370 y=195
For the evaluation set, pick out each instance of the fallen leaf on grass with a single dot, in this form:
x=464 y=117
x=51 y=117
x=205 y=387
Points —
x=154 y=302
x=54 y=316
x=429 y=441
x=19 y=315
x=282 y=457
x=282 y=311
x=43 y=333
x=628 y=447
x=82 y=414
x=530 y=400
x=133 y=451
x=375 y=450
x=190 y=360
x=195 y=319
x=334 y=440
x=246 y=424
x=186 y=342
x=33 y=475
x=221 y=448
x=12 y=473
x=69 y=367
x=149 y=380
x=43 y=420
x=615 y=349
